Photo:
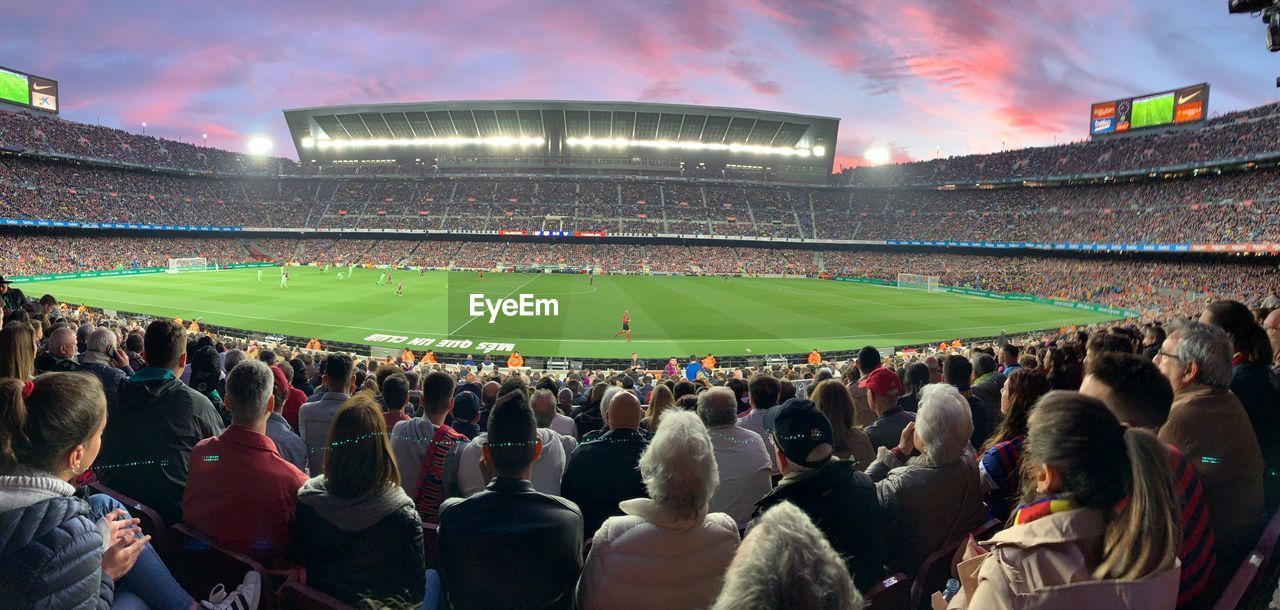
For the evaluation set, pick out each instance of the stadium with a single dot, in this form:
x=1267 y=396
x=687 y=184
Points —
x=425 y=341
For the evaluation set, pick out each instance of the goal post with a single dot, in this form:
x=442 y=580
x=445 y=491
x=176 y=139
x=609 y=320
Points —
x=186 y=265
x=913 y=281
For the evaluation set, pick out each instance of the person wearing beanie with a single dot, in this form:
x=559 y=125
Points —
x=840 y=500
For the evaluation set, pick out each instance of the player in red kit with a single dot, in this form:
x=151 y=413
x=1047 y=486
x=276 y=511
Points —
x=626 y=326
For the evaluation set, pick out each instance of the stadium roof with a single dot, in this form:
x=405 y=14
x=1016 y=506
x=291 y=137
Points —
x=559 y=128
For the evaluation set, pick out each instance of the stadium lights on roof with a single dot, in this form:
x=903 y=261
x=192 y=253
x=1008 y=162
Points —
x=695 y=146
x=497 y=141
x=877 y=156
x=259 y=146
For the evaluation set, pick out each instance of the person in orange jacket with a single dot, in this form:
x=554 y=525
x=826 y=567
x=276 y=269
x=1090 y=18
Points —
x=814 y=357
x=407 y=356
x=515 y=360
x=428 y=358
x=709 y=362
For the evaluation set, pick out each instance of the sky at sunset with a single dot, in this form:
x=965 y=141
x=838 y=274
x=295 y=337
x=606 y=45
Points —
x=920 y=77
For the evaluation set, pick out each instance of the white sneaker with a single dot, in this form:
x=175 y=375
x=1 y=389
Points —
x=245 y=597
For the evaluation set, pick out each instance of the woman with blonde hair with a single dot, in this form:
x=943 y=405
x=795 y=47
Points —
x=834 y=400
x=660 y=399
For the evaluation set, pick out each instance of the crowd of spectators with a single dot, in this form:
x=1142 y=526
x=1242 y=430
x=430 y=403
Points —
x=1229 y=136
x=1229 y=208
x=1133 y=465
x=33 y=255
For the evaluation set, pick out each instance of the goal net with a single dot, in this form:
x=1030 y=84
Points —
x=184 y=265
x=928 y=283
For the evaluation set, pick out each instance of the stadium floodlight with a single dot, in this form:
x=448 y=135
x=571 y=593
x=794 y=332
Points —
x=495 y=141
x=877 y=156
x=755 y=149
x=819 y=151
x=308 y=142
x=259 y=145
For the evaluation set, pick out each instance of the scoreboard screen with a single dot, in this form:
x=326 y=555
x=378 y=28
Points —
x=27 y=90
x=1176 y=107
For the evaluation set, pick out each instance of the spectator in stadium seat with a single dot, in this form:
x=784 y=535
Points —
x=298 y=378
x=288 y=444
x=1068 y=545
x=588 y=416
x=314 y=417
x=466 y=414
x=1253 y=383
x=230 y=359
x=1152 y=338
x=740 y=455
x=660 y=400
x=548 y=468
x=17 y=351
x=544 y=405
x=693 y=369
x=681 y=550
x=1000 y=457
x=205 y=372
x=355 y=530
x=395 y=398
x=786 y=562
x=604 y=472
x=1139 y=396
x=510 y=546
x=942 y=480
x=106 y=361
x=247 y=514
x=427 y=449
x=815 y=358
x=294 y=397
x=1009 y=359
x=957 y=372
x=851 y=441
x=914 y=377
x=13 y=299
x=59 y=550
x=154 y=424
x=1271 y=324
x=133 y=345
x=763 y=393
x=987 y=385
x=839 y=499
x=868 y=360
x=488 y=396
x=883 y=388
x=60 y=352
x=1209 y=426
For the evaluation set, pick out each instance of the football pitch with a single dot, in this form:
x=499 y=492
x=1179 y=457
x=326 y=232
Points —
x=670 y=316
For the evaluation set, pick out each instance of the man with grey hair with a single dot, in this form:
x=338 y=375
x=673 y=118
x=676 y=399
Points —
x=1209 y=426
x=942 y=480
x=103 y=359
x=840 y=500
x=248 y=514
x=230 y=359
x=745 y=468
x=59 y=355
x=604 y=472
x=786 y=562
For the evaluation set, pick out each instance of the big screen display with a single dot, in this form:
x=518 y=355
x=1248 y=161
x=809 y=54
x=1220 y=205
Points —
x=1175 y=107
x=28 y=90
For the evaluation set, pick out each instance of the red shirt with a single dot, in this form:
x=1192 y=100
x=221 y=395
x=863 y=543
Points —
x=393 y=417
x=292 y=402
x=241 y=493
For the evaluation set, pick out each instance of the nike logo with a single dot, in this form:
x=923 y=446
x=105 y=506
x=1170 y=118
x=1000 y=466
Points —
x=40 y=88
x=1191 y=96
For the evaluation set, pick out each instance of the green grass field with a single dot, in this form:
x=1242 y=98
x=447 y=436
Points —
x=670 y=316
x=13 y=87
x=1152 y=111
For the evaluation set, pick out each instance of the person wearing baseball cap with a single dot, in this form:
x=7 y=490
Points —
x=841 y=500
x=13 y=298
x=883 y=389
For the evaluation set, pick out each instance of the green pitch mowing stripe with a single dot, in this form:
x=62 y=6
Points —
x=670 y=316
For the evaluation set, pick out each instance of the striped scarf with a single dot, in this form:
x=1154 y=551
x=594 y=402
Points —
x=1026 y=513
x=431 y=482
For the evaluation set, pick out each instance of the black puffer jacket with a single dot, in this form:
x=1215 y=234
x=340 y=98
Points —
x=357 y=548
x=51 y=557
